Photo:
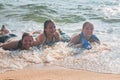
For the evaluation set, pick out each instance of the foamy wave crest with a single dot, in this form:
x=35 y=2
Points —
x=57 y=52
x=18 y=59
x=98 y=59
x=13 y=60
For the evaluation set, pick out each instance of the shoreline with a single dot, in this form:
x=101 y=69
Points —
x=55 y=73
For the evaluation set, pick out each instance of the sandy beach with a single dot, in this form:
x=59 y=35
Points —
x=55 y=73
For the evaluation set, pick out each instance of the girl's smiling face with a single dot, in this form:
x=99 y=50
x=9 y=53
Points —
x=88 y=30
x=27 y=42
x=50 y=29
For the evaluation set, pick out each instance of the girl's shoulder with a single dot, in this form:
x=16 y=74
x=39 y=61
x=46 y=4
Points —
x=40 y=39
x=41 y=36
x=76 y=36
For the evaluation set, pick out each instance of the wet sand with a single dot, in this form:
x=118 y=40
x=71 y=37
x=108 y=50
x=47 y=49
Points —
x=55 y=73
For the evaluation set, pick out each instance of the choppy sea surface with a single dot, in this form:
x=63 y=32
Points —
x=29 y=15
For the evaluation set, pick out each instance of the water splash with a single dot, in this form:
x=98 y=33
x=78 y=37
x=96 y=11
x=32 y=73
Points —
x=98 y=59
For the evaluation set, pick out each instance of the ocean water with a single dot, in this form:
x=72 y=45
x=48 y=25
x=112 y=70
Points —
x=29 y=15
